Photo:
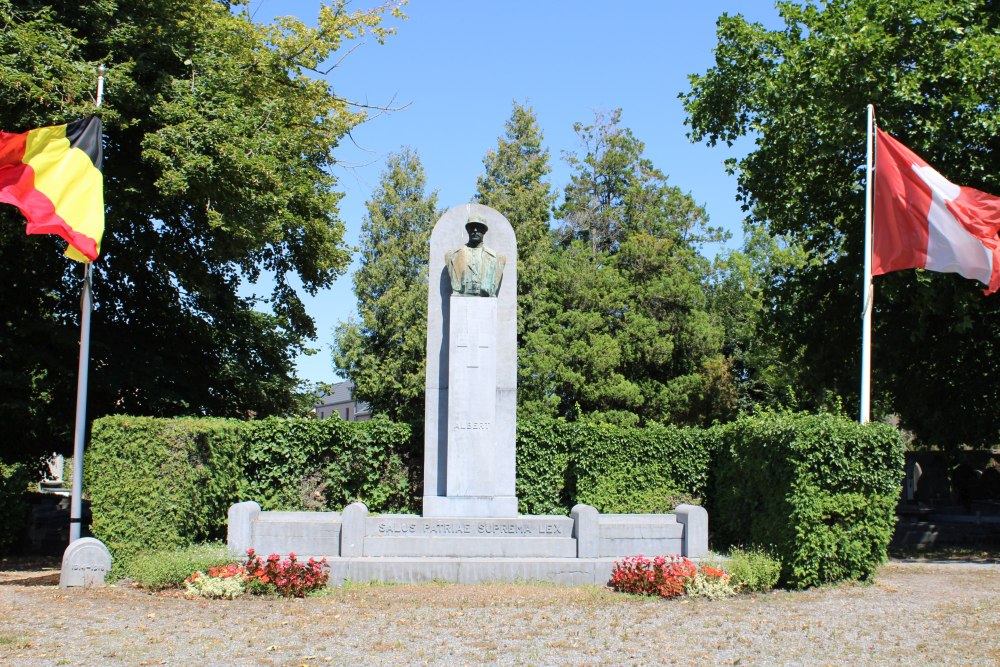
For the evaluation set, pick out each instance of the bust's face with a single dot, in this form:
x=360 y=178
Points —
x=476 y=233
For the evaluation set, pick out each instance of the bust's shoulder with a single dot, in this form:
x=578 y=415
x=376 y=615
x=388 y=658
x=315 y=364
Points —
x=489 y=251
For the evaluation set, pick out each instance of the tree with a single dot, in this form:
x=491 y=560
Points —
x=929 y=68
x=513 y=183
x=624 y=332
x=384 y=353
x=219 y=140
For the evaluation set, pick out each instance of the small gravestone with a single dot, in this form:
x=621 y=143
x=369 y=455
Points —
x=85 y=563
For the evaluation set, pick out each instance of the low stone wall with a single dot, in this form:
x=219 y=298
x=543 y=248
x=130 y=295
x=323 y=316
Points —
x=580 y=548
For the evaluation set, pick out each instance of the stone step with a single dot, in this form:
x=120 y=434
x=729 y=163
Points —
x=566 y=571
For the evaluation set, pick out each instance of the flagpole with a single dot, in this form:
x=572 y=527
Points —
x=86 y=306
x=868 y=292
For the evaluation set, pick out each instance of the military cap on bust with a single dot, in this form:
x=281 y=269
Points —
x=476 y=221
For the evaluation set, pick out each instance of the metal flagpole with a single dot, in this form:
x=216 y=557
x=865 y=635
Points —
x=86 y=305
x=868 y=292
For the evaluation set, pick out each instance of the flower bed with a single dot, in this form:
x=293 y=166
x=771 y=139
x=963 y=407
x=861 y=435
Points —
x=270 y=576
x=670 y=577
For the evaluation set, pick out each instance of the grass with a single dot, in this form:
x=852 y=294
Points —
x=15 y=641
x=168 y=568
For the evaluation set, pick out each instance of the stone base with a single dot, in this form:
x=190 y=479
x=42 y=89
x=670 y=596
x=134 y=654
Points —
x=578 y=549
x=399 y=570
x=471 y=506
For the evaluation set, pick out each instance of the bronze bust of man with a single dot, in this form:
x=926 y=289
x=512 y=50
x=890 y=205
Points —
x=475 y=269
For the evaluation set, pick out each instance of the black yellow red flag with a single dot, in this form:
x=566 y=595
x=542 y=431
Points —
x=54 y=175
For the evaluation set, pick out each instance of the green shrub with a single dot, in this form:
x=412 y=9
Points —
x=660 y=499
x=168 y=483
x=753 y=570
x=168 y=568
x=820 y=489
x=161 y=483
x=14 y=479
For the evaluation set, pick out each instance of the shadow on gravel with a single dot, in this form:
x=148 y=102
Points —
x=30 y=571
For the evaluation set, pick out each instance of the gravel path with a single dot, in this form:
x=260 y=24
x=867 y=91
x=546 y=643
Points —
x=914 y=614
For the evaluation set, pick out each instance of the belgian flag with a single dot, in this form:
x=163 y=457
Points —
x=54 y=175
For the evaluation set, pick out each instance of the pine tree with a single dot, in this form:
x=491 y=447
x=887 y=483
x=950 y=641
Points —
x=383 y=352
x=513 y=183
x=623 y=327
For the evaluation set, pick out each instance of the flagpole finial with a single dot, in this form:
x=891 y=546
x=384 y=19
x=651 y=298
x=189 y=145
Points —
x=101 y=69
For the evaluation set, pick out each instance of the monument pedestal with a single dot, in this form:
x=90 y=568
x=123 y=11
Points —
x=407 y=548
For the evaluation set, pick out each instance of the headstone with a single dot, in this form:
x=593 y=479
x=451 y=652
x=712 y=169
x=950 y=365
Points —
x=85 y=563
x=471 y=389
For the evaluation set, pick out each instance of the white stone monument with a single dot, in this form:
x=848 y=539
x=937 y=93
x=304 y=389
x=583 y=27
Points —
x=471 y=386
x=470 y=530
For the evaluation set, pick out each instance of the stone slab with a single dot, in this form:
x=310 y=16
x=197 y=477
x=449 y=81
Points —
x=694 y=518
x=85 y=563
x=470 y=506
x=472 y=547
x=240 y=527
x=472 y=405
x=301 y=533
x=449 y=233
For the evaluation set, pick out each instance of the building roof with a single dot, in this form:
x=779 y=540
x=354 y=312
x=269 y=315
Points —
x=343 y=392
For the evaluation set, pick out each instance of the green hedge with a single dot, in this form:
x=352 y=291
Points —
x=167 y=483
x=326 y=464
x=817 y=491
x=161 y=483
x=620 y=469
x=613 y=468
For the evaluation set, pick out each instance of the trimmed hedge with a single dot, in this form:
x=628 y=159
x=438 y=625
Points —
x=168 y=483
x=326 y=464
x=620 y=469
x=613 y=468
x=161 y=483
x=817 y=491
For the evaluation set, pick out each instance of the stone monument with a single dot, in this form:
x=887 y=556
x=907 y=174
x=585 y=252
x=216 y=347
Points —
x=470 y=530
x=471 y=390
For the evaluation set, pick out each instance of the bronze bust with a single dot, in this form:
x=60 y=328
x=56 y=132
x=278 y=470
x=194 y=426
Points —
x=475 y=269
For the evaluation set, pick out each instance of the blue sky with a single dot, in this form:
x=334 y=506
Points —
x=458 y=65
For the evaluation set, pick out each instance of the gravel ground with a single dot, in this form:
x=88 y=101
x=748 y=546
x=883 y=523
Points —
x=914 y=614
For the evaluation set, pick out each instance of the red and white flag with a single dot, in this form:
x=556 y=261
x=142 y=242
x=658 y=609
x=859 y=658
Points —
x=924 y=221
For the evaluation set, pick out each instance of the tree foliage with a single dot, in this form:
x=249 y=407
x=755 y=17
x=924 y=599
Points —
x=384 y=352
x=624 y=330
x=218 y=147
x=929 y=67
x=514 y=183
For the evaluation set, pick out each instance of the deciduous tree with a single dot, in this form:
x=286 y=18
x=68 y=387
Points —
x=219 y=139
x=929 y=67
